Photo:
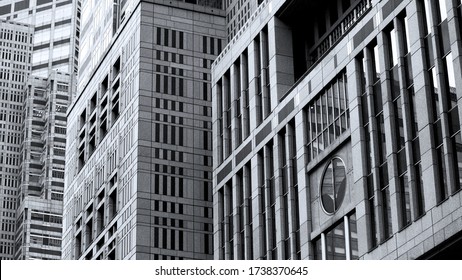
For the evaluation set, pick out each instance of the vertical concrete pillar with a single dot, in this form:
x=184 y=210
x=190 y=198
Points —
x=264 y=74
x=304 y=207
x=235 y=92
x=254 y=84
x=257 y=217
x=281 y=60
x=248 y=211
x=226 y=116
x=237 y=191
x=228 y=208
x=244 y=79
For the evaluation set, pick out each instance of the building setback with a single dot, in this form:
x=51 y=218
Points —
x=15 y=55
x=138 y=179
x=336 y=132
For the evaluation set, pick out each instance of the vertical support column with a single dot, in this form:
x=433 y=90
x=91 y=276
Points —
x=268 y=173
x=227 y=210
x=278 y=151
x=388 y=116
x=264 y=60
x=423 y=97
x=281 y=59
x=374 y=139
x=258 y=222
x=359 y=152
x=235 y=96
x=254 y=84
x=304 y=207
x=218 y=230
x=245 y=95
x=217 y=124
x=248 y=232
x=290 y=181
x=323 y=245
x=226 y=120
x=237 y=190
x=455 y=39
x=347 y=238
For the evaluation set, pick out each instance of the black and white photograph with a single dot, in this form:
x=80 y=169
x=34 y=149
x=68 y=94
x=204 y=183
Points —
x=200 y=130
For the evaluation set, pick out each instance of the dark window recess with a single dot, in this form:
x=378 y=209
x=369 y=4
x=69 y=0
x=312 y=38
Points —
x=21 y=5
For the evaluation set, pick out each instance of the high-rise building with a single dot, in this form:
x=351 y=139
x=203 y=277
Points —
x=44 y=101
x=138 y=178
x=100 y=24
x=41 y=179
x=237 y=14
x=15 y=55
x=56 y=32
x=336 y=128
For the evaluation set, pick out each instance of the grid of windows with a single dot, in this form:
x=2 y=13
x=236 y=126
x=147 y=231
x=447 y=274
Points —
x=15 y=54
x=327 y=117
x=445 y=110
x=410 y=153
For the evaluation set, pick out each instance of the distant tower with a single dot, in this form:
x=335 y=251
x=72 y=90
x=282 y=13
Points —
x=15 y=54
x=45 y=99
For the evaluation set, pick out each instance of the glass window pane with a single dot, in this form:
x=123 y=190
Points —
x=450 y=74
x=353 y=237
x=377 y=62
x=327 y=189
x=442 y=10
x=333 y=186
x=318 y=249
x=335 y=243
x=394 y=47
x=339 y=181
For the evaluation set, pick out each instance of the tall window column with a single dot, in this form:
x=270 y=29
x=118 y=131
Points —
x=245 y=97
x=264 y=72
x=248 y=212
x=227 y=136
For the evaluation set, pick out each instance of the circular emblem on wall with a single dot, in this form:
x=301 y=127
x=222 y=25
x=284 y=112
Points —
x=333 y=185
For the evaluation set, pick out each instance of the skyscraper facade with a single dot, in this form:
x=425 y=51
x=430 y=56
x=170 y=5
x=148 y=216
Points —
x=15 y=55
x=336 y=128
x=138 y=170
x=44 y=101
x=56 y=32
x=237 y=14
x=41 y=177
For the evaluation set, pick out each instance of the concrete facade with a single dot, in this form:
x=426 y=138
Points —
x=138 y=179
x=15 y=53
x=336 y=130
x=98 y=32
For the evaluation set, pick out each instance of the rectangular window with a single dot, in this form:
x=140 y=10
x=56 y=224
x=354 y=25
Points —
x=340 y=242
x=327 y=116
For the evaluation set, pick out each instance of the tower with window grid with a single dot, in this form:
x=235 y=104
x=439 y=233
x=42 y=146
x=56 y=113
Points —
x=336 y=132
x=138 y=178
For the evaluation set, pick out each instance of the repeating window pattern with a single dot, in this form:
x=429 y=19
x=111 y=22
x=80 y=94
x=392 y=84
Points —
x=366 y=126
x=15 y=65
x=444 y=104
x=327 y=117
